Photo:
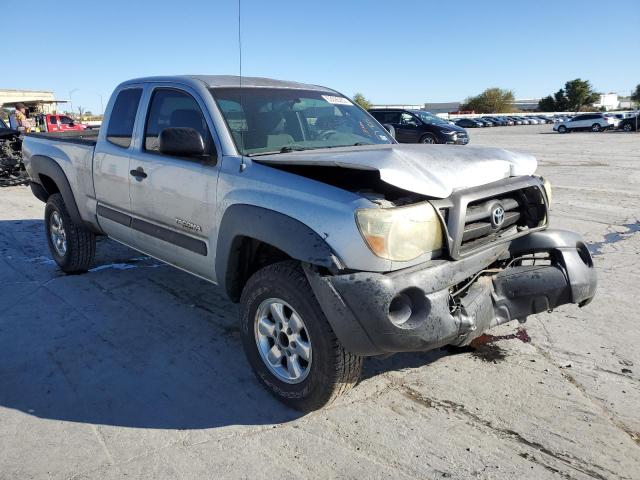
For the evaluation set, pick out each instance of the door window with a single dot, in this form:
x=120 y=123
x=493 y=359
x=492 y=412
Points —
x=389 y=117
x=53 y=120
x=123 y=117
x=175 y=109
x=408 y=119
x=65 y=120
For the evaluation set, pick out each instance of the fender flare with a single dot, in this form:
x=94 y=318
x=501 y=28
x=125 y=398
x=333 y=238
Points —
x=281 y=231
x=40 y=164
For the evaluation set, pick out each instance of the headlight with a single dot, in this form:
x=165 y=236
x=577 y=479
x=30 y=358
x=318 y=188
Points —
x=402 y=233
x=449 y=132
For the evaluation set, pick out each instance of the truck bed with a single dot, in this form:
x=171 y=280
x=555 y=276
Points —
x=86 y=137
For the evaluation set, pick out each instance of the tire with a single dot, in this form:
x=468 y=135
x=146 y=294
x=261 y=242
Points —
x=596 y=127
x=330 y=370
x=76 y=253
x=428 y=139
x=627 y=127
x=562 y=129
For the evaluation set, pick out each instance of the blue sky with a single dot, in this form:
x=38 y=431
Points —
x=392 y=51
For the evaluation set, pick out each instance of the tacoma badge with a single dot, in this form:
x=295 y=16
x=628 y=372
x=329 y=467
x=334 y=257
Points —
x=188 y=225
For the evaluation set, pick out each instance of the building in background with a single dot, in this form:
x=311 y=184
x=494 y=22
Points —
x=607 y=100
x=41 y=101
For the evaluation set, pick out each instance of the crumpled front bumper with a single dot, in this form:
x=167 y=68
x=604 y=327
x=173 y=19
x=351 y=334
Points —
x=411 y=310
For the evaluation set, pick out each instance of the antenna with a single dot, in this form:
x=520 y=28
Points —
x=242 y=164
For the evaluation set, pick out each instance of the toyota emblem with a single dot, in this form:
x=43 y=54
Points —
x=497 y=216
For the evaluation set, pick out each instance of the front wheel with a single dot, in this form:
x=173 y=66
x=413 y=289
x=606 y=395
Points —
x=72 y=246
x=562 y=129
x=596 y=127
x=288 y=341
x=428 y=139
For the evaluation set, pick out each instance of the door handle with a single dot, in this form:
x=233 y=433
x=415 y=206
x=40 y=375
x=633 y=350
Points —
x=139 y=174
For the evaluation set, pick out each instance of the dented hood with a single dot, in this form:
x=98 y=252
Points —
x=431 y=170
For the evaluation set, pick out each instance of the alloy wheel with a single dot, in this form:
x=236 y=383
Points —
x=58 y=234
x=283 y=340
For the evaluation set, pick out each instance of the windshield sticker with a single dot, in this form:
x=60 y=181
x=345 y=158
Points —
x=336 y=100
x=383 y=138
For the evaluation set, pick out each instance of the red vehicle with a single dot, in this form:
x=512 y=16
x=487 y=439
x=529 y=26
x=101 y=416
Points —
x=57 y=123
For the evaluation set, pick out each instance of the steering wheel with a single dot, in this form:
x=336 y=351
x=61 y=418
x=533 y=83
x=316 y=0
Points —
x=328 y=133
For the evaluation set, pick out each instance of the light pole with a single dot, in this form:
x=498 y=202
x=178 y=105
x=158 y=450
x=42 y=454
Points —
x=70 y=100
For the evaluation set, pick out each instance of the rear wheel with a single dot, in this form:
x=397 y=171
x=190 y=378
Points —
x=596 y=127
x=288 y=341
x=627 y=127
x=72 y=246
x=428 y=138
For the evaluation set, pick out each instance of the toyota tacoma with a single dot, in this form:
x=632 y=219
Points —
x=338 y=242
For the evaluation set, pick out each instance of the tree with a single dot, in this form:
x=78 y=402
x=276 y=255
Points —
x=561 y=102
x=635 y=96
x=579 y=94
x=363 y=102
x=547 y=104
x=492 y=100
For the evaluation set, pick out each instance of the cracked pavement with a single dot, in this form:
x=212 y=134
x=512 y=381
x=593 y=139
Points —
x=136 y=368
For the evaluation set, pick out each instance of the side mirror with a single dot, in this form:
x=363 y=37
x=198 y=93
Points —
x=72 y=124
x=390 y=129
x=181 y=142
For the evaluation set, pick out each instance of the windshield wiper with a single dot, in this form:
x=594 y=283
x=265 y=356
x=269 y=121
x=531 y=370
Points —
x=286 y=149
x=293 y=148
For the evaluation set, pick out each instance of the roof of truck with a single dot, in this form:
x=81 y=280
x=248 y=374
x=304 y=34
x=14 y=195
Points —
x=214 y=81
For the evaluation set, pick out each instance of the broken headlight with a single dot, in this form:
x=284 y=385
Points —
x=401 y=233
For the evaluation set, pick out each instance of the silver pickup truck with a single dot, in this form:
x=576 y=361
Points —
x=338 y=242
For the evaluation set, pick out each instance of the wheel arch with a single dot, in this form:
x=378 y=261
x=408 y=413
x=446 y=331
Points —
x=47 y=178
x=251 y=237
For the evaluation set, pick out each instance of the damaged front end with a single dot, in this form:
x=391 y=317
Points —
x=12 y=172
x=453 y=302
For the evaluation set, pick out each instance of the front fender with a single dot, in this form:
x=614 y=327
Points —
x=285 y=233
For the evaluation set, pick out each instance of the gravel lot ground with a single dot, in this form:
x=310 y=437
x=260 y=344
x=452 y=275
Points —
x=135 y=369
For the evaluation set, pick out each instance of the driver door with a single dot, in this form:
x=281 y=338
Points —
x=173 y=199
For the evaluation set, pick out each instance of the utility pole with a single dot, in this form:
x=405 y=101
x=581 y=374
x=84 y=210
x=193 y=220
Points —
x=70 y=99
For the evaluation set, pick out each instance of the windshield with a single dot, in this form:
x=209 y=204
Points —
x=2 y=124
x=278 y=120
x=427 y=117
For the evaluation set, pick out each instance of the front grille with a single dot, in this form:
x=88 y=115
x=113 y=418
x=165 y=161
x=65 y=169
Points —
x=482 y=216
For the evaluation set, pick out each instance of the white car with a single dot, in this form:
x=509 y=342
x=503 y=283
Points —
x=596 y=122
x=533 y=121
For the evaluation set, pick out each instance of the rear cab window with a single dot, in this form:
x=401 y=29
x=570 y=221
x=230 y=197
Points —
x=123 y=117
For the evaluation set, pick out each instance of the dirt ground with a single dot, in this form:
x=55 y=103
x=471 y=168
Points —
x=136 y=369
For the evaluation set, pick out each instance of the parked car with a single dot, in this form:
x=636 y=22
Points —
x=629 y=124
x=596 y=122
x=484 y=122
x=495 y=121
x=516 y=120
x=614 y=120
x=469 y=123
x=57 y=123
x=418 y=126
x=338 y=242
x=533 y=120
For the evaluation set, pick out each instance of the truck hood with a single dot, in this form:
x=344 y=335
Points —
x=431 y=170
